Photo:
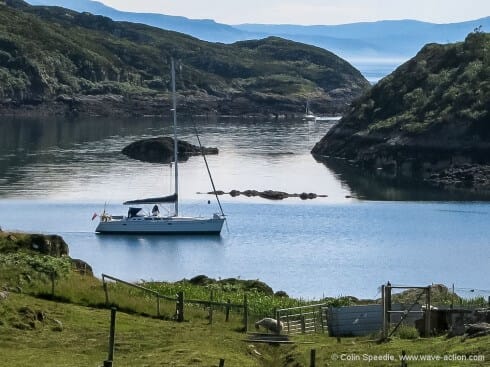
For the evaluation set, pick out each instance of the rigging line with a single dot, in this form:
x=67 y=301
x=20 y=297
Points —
x=209 y=172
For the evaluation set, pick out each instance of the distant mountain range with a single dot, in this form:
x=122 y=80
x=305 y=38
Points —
x=357 y=42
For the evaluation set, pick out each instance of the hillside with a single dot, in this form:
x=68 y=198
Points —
x=356 y=42
x=56 y=61
x=429 y=118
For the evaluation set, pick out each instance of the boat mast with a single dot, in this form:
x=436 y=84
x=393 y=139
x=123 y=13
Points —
x=174 y=110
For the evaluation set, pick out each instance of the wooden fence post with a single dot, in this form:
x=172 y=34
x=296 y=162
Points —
x=427 y=313
x=158 y=305
x=112 y=332
x=105 y=291
x=312 y=358
x=245 y=312
x=404 y=361
x=180 y=306
x=227 y=310
x=388 y=307
x=221 y=362
x=383 y=303
x=211 y=297
x=53 y=277
x=322 y=324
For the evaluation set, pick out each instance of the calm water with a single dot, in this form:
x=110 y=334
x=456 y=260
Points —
x=56 y=174
x=375 y=69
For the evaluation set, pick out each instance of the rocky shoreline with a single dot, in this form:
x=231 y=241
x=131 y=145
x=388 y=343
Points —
x=140 y=105
x=467 y=176
x=463 y=167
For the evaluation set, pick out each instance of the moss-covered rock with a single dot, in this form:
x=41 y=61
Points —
x=52 y=245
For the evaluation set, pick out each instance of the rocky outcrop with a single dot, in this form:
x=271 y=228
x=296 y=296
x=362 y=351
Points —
x=52 y=245
x=427 y=120
x=82 y=267
x=270 y=194
x=161 y=150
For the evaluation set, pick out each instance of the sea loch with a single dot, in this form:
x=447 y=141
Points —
x=57 y=173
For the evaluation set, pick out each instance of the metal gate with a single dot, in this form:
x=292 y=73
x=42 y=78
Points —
x=303 y=319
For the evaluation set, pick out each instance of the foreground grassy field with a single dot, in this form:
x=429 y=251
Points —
x=82 y=340
x=52 y=315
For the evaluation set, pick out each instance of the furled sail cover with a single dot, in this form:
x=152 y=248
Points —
x=164 y=199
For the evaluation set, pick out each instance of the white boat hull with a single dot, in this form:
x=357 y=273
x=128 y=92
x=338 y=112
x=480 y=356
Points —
x=159 y=225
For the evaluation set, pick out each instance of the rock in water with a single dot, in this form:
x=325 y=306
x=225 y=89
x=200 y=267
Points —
x=161 y=150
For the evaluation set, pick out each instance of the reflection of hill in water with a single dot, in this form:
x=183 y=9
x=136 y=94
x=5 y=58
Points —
x=368 y=186
x=33 y=146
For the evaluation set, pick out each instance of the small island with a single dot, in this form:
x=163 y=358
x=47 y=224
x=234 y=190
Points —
x=161 y=150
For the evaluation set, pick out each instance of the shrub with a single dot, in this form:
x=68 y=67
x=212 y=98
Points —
x=407 y=332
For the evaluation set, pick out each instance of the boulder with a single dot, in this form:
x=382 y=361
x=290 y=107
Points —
x=52 y=245
x=161 y=150
x=82 y=267
x=477 y=330
x=274 y=195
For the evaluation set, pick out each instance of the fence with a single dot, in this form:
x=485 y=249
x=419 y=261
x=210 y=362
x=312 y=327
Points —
x=303 y=319
x=175 y=306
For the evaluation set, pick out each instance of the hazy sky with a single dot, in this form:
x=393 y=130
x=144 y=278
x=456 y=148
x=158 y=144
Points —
x=311 y=11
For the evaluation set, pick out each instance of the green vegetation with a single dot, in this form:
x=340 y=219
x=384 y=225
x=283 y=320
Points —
x=261 y=300
x=70 y=327
x=407 y=332
x=48 y=53
x=143 y=341
x=429 y=119
x=442 y=84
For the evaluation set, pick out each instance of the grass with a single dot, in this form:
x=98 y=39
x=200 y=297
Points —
x=144 y=341
x=70 y=328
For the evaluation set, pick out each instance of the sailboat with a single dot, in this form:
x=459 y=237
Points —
x=309 y=116
x=138 y=222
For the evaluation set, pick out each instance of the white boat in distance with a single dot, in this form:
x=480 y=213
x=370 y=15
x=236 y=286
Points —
x=309 y=116
x=153 y=223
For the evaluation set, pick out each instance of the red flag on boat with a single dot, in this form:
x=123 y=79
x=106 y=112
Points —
x=94 y=216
